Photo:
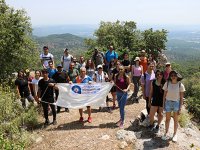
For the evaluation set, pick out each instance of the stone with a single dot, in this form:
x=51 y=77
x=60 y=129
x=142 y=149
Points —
x=105 y=137
x=128 y=136
x=123 y=144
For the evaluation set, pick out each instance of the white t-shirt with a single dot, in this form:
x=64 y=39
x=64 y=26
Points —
x=46 y=59
x=100 y=77
x=66 y=60
x=173 y=90
x=35 y=82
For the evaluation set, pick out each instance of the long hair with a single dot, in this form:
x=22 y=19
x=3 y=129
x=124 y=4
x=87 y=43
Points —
x=90 y=65
x=163 y=79
x=21 y=71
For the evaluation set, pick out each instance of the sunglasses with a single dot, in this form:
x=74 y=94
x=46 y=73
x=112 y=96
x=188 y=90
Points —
x=158 y=74
x=100 y=68
x=118 y=64
x=121 y=69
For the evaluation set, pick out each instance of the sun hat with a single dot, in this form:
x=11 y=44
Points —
x=137 y=59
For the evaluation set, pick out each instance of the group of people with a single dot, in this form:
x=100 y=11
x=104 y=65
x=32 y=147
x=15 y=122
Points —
x=162 y=90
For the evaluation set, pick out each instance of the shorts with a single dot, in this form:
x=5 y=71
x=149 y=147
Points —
x=113 y=89
x=156 y=102
x=172 y=106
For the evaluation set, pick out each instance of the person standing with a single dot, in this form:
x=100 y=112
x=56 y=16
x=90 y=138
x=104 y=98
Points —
x=45 y=57
x=109 y=55
x=122 y=82
x=66 y=59
x=156 y=99
x=51 y=70
x=23 y=89
x=136 y=72
x=83 y=78
x=73 y=72
x=98 y=57
x=147 y=78
x=46 y=88
x=173 y=101
x=60 y=77
x=35 y=84
x=126 y=63
x=82 y=61
x=168 y=69
x=90 y=67
x=144 y=60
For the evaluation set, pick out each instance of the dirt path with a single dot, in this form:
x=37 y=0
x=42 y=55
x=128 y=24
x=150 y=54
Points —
x=98 y=135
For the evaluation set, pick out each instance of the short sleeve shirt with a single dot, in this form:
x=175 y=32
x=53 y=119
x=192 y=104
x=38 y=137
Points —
x=111 y=55
x=66 y=60
x=147 y=82
x=85 y=80
x=46 y=59
x=173 y=90
x=22 y=85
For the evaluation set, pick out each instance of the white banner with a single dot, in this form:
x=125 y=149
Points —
x=82 y=95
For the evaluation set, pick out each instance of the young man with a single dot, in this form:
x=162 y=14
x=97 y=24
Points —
x=46 y=87
x=60 y=77
x=45 y=57
x=98 y=57
x=66 y=59
x=83 y=78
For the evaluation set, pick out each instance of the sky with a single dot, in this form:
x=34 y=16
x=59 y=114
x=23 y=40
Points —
x=155 y=12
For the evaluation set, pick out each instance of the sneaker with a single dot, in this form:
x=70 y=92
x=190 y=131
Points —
x=54 y=122
x=156 y=129
x=165 y=137
x=81 y=119
x=46 y=122
x=89 y=119
x=174 y=139
x=121 y=126
x=151 y=127
x=109 y=110
x=66 y=109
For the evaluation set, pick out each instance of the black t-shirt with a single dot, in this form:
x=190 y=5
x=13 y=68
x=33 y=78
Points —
x=49 y=94
x=126 y=63
x=60 y=77
x=22 y=85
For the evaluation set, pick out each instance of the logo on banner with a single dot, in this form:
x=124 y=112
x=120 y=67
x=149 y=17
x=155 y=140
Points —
x=76 y=89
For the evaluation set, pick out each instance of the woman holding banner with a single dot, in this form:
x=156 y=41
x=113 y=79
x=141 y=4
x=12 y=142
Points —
x=122 y=82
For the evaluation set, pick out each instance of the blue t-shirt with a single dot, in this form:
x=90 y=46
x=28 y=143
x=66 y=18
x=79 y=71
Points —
x=51 y=72
x=85 y=80
x=111 y=55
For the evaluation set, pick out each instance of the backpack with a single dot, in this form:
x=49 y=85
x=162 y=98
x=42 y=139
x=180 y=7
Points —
x=168 y=84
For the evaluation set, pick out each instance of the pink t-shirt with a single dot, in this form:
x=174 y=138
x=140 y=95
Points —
x=137 y=70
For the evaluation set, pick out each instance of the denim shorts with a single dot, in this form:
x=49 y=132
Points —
x=172 y=106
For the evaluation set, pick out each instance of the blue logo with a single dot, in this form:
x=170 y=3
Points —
x=76 y=89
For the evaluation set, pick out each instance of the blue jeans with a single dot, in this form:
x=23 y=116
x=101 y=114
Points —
x=122 y=99
x=136 y=82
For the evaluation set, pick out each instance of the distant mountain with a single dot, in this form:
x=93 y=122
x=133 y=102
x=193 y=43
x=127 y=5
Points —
x=79 y=30
x=58 y=42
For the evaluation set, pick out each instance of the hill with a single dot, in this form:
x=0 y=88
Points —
x=58 y=42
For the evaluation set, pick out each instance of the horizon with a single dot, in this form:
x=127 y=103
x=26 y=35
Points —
x=155 y=12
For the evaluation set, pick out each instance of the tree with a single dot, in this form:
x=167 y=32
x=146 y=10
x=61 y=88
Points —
x=17 y=49
x=125 y=36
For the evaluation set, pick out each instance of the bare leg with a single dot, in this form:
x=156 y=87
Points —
x=168 y=117
x=89 y=111
x=114 y=98
x=153 y=110
x=175 y=116
x=160 y=115
x=81 y=112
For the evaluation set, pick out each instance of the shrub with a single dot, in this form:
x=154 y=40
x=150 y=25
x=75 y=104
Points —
x=184 y=119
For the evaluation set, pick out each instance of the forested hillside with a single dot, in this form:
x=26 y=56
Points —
x=57 y=43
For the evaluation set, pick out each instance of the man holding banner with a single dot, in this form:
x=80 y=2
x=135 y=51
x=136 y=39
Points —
x=83 y=78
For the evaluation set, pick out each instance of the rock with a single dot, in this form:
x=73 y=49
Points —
x=123 y=144
x=105 y=137
x=38 y=140
x=128 y=136
x=138 y=134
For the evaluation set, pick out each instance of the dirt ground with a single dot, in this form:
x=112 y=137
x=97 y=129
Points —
x=70 y=134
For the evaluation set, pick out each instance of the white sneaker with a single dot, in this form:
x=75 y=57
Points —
x=174 y=139
x=165 y=137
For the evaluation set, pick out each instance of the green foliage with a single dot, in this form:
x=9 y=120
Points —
x=16 y=46
x=184 y=119
x=14 y=120
x=124 y=36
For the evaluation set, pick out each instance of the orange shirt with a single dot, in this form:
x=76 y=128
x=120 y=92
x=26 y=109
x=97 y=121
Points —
x=144 y=62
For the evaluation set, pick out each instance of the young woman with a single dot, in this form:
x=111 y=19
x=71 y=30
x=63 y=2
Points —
x=156 y=99
x=35 y=84
x=90 y=68
x=122 y=82
x=168 y=69
x=23 y=89
x=136 y=71
x=173 y=101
